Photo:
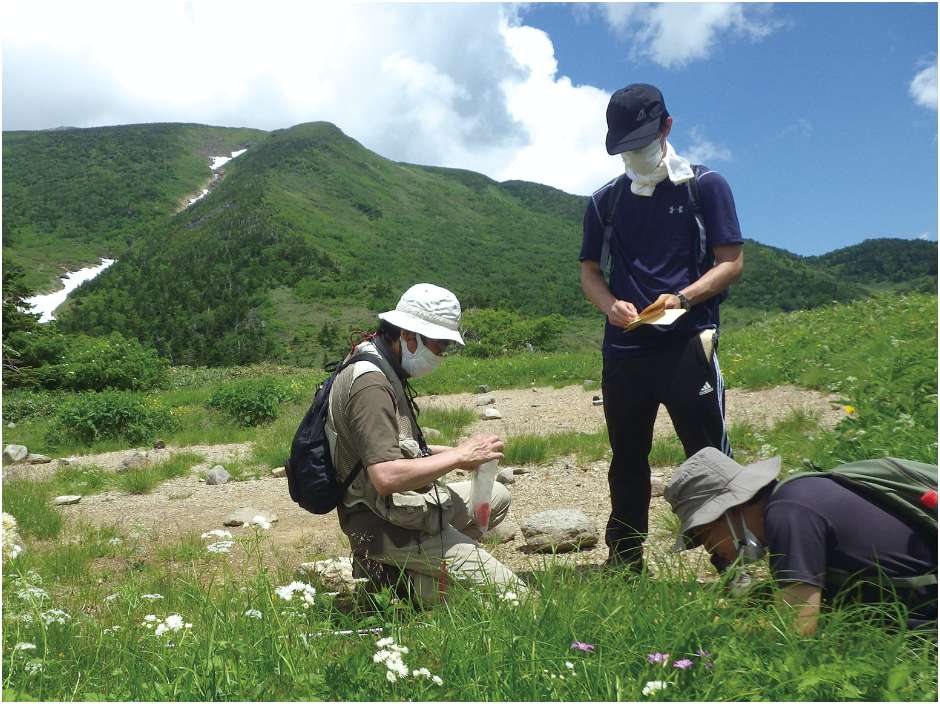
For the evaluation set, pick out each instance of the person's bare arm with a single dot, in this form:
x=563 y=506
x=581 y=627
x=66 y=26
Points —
x=803 y=600
x=407 y=474
x=618 y=312
x=729 y=263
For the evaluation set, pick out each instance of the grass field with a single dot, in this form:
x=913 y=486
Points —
x=91 y=613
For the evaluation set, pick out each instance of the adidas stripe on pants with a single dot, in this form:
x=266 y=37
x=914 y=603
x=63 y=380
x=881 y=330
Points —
x=692 y=390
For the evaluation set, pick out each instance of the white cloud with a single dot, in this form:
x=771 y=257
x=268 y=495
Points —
x=466 y=86
x=924 y=87
x=702 y=150
x=675 y=34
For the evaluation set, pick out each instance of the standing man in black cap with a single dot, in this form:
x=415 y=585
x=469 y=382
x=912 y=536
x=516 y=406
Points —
x=663 y=235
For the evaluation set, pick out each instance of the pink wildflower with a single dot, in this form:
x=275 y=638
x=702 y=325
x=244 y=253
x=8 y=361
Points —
x=585 y=647
x=658 y=658
x=683 y=664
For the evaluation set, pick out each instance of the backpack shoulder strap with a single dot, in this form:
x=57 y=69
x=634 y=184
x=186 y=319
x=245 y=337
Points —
x=613 y=199
x=695 y=207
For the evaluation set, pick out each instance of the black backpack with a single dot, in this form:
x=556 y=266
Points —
x=703 y=258
x=311 y=475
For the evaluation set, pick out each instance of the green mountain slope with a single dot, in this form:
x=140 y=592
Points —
x=309 y=223
x=71 y=196
x=310 y=234
x=775 y=279
x=885 y=263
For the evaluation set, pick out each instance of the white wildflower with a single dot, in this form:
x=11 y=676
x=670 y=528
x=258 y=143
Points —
x=569 y=664
x=33 y=593
x=253 y=613
x=33 y=667
x=390 y=676
x=54 y=616
x=112 y=629
x=384 y=642
x=111 y=597
x=115 y=541
x=223 y=546
x=151 y=596
x=437 y=680
x=173 y=622
x=287 y=592
x=653 y=687
x=217 y=533
x=261 y=522
x=24 y=646
x=150 y=620
x=511 y=597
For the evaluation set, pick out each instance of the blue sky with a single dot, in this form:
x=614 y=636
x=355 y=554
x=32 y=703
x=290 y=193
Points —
x=824 y=144
x=823 y=117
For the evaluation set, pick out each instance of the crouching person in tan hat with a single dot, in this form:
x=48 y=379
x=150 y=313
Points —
x=827 y=533
x=405 y=527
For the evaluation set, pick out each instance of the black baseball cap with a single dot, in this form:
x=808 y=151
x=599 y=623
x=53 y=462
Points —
x=634 y=116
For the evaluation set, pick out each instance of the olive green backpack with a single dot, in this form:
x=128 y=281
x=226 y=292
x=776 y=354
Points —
x=903 y=488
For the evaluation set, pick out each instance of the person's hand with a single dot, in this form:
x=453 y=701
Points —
x=621 y=313
x=479 y=449
x=665 y=300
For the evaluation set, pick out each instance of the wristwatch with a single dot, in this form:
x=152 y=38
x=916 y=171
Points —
x=683 y=301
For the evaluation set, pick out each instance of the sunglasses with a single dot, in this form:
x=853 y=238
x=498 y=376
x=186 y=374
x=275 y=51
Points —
x=438 y=347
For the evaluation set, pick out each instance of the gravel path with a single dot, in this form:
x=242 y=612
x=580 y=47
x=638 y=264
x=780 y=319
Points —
x=185 y=505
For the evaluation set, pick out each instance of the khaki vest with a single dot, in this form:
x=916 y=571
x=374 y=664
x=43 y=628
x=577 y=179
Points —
x=415 y=510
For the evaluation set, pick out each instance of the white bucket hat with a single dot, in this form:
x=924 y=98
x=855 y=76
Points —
x=428 y=310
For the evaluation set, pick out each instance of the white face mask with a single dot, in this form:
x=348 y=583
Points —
x=643 y=162
x=420 y=362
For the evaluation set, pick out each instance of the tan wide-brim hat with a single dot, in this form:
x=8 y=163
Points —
x=428 y=310
x=709 y=483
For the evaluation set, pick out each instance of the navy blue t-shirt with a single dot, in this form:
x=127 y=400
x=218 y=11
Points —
x=654 y=250
x=815 y=523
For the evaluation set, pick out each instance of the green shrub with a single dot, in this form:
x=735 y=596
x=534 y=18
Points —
x=51 y=360
x=23 y=405
x=109 y=415
x=254 y=401
x=490 y=333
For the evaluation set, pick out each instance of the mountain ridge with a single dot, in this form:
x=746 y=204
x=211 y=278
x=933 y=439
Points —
x=309 y=227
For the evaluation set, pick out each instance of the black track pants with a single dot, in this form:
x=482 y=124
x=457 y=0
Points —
x=692 y=389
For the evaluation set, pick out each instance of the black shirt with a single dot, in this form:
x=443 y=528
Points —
x=814 y=523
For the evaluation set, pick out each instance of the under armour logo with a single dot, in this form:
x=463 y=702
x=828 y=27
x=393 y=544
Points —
x=641 y=115
x=673 y=209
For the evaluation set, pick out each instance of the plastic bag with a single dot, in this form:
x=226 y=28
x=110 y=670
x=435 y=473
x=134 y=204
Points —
x=481 y=492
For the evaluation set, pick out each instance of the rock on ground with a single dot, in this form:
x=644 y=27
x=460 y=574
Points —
x=34 y=458
x=485 y=400
x=15 y=453
x=279 y=472
x=432 y=433
x=67 y=500
x=246 y=516
x=217 y=475
x=505 y=476
x=335 y=574
x=559 y=530
x=491 y=414
x=502 y=533
x=138 y=459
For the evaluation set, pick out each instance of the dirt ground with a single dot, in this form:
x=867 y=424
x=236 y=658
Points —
x=186 y=505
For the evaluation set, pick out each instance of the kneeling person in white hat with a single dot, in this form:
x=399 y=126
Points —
x=397 y=515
